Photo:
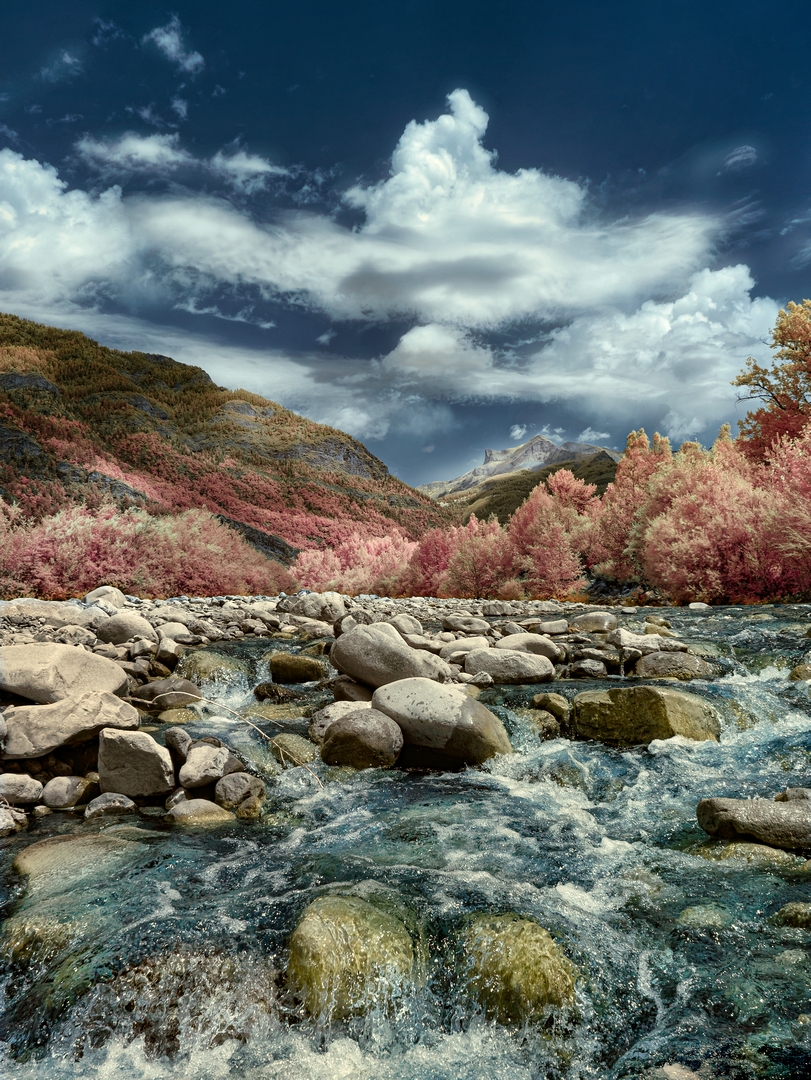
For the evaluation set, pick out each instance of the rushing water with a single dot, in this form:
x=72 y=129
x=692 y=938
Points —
x=162 y=958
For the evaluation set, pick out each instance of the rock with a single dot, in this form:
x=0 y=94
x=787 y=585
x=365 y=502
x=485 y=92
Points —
x=594 y=622
x=532 y=643
x=54 y=613
x=588 y=669
x=705 y=916
x=346 y=689
x=509 y=666
x=171 y=693
x=108 y=804
x=754 y=854
x=554 y=626
x=198 y=812
x=292 y=750
x=251 y=808
x=668 y=665
x=169 y=652
x=466 y=623
x=364 y=739
x=325 y=607
x=640 y=714
x=291 y=668
x=208 y=665
x=19 y=788
x=65 y=792
x=795 y=914
x=36 y=730
x=626 y=642
x=546 y=725
x=697 y=606
x=109 y=594
x=405 y=625
x=321 y=720
x=656 y=628
x=791 y=794
x=373 y=656
x=171 y=630
x=514 y=968
x=464 y=645
x=178 y=742
x=275 y=693
x=800 y=673
x=132 y=763
x=556 y=704
x=347 y=957
x=126 y=626
x=781 y=825
x=236 y=787
x=63 y=857
x=47 y=673
x=420 y=641
x=8 y=821
x=76 y=635
x=444 y=719
x=203 y=765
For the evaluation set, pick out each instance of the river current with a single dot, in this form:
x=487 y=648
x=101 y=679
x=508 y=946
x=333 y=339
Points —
x=160 y=958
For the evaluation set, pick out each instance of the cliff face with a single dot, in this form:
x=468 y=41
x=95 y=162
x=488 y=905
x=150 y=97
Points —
x=537 y=453
x=80 y=422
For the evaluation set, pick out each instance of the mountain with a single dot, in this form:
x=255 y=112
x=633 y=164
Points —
x=503 y=494
x=537 y=453
x=80 y=422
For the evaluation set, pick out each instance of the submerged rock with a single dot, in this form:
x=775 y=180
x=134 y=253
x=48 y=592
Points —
x=290 y=749
x=781 y=825
x=795 y=914
x=347 y=957
x=640 y=714
x=363 y=739
x=514 y=968
x=294 y=668
x=208 y=665
x=46 y=673
x=443 y=718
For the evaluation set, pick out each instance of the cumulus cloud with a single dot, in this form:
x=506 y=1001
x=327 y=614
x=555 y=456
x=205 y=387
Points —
x=244 y=170
x=131 y=152
x=591 y=436
x=169 y=39
x=436 y=354
x=518 y=431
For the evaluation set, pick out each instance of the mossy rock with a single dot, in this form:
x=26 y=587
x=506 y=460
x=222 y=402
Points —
x=208 y=665
x=35 y=936
x=266 y=711
x=797 y=914
x=514 y=968
x=295 y=668
x=347 y=957
x=760 y=854
x=292 y=750
x=178 y=716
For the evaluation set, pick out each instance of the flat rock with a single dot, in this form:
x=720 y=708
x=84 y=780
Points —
x=374 y=656
x=785 y=825
x=65 y=792
x=19 y=788
x=554 y=626
x=591 y=622
x=364 y=739
x=405 y=624
x=36 y=730
x=132 y=763
x=321 y=720
x=45 y=672
x=126 y=626
x=536 y=644
x=464 y=645
x=469 y=624
x=640 y=714
x=444 y=719
x=672 y=665
x=509 y=666
x=198 y=812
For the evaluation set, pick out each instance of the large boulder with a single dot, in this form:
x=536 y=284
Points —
x=405 y=624
x=19 y=788
x=132 y=763
x=126 y=626
x=509 y=665
x=364 y=739
x=514 y=968
x=640 y=714
x=347 y=957
x=444 y=719
x=672 y=665
x=784 y=825
x=532 y=643
x=109 y=594
x=294 y=668
x=170 y=693
x=46 y=672
x=36 y=730
x=377 y=655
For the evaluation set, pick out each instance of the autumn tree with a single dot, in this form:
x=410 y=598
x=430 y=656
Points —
x=785 y=390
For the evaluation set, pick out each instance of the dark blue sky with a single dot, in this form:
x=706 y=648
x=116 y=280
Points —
x=591 y=234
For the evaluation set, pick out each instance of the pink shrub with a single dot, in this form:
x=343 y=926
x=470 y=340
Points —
x=542 y=553
x=429 y=562
x=358 y=564
x=481 y=563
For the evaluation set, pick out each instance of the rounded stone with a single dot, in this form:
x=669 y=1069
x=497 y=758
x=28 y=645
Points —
x=321 y=720
x=365 y=739
x=591 y=622
x=198 y=812
x=236 y=787
x=514 y=968
x=65 y=792
x=19 y=789
x=347 y=957
x=509 y=666
x=126 y=626
x=294 y=668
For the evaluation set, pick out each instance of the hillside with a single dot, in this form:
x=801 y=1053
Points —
x=537 y=453
x=502 y=495
x=80 y=422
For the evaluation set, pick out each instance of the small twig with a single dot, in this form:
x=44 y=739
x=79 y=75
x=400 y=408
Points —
x=218 y=705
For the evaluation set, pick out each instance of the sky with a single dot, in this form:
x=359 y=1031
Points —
x=438 y=226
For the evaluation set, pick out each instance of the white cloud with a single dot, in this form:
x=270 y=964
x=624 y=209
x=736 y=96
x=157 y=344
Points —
x=244 y=170
x=181 y=107
x=131 y=152
x=518 y=431
x=169 y=40
x=439 y=354
x=591 y=436
x=64 y=66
